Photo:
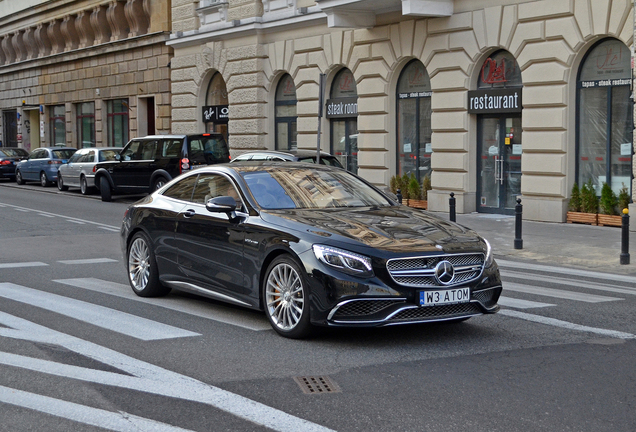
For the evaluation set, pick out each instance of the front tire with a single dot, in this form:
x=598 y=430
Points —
x=43 y=180
x=286 y=298
x=143 y=273
x=60 y=183
x=18 y=178
x=105 y=190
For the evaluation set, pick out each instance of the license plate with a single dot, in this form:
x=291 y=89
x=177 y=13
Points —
x=442 y=297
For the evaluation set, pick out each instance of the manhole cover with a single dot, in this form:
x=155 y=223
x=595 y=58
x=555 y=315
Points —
x=317 y=384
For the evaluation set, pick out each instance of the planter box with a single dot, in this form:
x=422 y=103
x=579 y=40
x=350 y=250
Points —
x=584 y=218
x=420 y=204
x=610 y=220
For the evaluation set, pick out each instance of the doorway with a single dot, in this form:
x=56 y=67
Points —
x=499 y=163
x=344 y=134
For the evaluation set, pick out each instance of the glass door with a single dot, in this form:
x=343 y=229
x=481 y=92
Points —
x=344 y=135
x=499 y=164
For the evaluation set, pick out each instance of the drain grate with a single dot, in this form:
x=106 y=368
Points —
x=317 y=384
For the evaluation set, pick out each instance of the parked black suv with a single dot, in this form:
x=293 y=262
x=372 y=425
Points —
x=147 y=163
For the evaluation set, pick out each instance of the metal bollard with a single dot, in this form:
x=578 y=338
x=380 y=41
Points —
x=625 y=237
x=399 y=195
x=451 y=208
x=518 y=213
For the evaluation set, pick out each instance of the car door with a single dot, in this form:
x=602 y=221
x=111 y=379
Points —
x=125 y=172
x=30 y=170
x=70 y=171
x=210 y=245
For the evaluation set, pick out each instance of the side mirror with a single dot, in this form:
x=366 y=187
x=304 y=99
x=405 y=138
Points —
x=221 y=204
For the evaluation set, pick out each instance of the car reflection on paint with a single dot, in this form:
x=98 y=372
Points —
x=310 y=245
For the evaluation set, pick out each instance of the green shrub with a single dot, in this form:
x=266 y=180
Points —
x=395 y=184
x=589 y=200
x=623 y=199
x=608 y=201
x=575 y=199
x=415 y=191
x=426 y=186
x=406 y=179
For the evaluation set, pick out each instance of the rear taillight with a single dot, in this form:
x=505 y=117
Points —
x=185 y=165
x=94 y=168
x=6 y=162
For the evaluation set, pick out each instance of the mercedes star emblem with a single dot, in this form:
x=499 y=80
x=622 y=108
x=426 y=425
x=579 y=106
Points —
x=444 y=272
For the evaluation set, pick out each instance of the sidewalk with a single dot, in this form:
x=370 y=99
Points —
x=560 y=244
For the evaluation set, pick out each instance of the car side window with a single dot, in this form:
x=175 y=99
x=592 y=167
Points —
x=171 y=148
x=131 y=151
x=148 y=150
x=182 y=190
x=75 y=157
x=38 y=154
x=196 y=151
x=210 y=186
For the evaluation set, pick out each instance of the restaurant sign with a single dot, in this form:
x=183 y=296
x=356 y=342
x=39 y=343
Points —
x=342 y=107
x=493 y=101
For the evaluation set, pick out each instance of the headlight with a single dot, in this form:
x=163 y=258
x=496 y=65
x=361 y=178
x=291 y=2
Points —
x=489 y=257
x=345 y=261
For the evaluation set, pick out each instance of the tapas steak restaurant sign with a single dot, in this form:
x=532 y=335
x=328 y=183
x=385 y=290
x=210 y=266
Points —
x=215 y=114
x=493 y=101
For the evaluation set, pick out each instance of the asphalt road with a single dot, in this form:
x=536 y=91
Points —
x=79 y=351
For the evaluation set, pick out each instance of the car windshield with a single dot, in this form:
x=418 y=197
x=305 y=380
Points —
x=108 y=155
x=10 y=152
x=305 y=188
x=63 y=154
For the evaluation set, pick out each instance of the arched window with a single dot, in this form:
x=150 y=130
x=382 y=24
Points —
x=286 y=118
x=342 y=110
x=414 y=121
x=216 y=106
x=605 y=122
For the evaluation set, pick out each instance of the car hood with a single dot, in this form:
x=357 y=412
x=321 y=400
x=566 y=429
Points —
x=394 y=229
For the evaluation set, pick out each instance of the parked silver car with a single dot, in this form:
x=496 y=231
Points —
x=80 y=169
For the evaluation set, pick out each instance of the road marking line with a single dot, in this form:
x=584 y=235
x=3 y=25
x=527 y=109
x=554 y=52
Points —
x=245 y=319
x=521 y=304
x=46 y=215
x=24 y=209
x=565 y=270
x=109 y=229
x=144 y=377
x=567 y=325
x=569 y=282
x=115 y=421
x=75 y=221
x=23 y=264
x=562 y=294
x=88 y=261
x=110 y=319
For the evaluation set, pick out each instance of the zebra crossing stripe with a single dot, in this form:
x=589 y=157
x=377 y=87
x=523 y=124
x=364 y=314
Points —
x=115 y=421
x=549 y=292
x=22 y=264
x=564 y=271
x=111 y=319
x=521 y=304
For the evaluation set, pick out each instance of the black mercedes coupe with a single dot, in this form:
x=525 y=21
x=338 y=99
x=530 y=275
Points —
x=310 y=245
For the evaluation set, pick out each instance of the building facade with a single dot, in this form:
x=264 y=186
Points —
x=83 y=73
x=493 y=99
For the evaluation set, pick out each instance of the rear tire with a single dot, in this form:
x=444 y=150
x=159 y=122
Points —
x=43 y=180
x=18 y=178
x=84 y=189
x=60 y=183
x=143 y=272
x=105 y=190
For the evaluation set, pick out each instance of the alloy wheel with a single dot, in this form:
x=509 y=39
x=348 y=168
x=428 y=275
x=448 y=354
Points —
x=139 y=264
x=284 y=296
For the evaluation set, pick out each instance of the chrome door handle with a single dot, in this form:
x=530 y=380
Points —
x=501 y=171
x=496 y=168
x=189 y=213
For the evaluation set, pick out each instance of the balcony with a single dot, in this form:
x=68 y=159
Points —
x=362 y=13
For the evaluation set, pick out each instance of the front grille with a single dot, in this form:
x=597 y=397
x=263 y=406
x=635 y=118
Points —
x=358 y=308
x=420 y=271
x=436 y=312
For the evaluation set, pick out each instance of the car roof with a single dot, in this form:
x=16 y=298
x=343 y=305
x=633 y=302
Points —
x=175 y=136
x=55 y=148
x=268 y=165
x=286 y=153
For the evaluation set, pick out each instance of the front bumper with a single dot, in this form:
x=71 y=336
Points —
x=341 y=300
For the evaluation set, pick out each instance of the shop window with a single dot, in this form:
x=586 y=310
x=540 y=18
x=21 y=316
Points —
x=215 y=111
x=414 y=121
x=342 y=111
x=86 y=124
x=117 y=122
x=57 y=122
x=605 y=123
x=286 y=118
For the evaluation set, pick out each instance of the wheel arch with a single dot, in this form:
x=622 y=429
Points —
x=103 y=173
x=271 y=256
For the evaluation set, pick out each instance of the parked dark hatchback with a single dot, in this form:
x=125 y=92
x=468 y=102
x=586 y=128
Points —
x=146 y=164
x=9 y=157
x=309 y=245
